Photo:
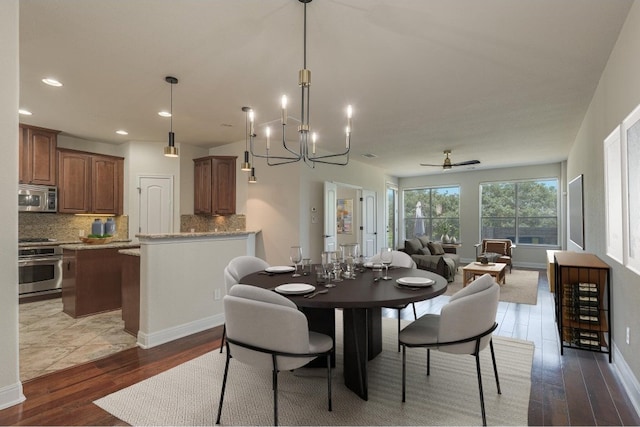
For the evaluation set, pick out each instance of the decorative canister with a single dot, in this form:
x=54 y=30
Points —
x=110 y=227
x=97 y=227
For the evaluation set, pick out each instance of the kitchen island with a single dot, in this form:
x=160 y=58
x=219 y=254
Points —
x=181 y=281
x=91 y=278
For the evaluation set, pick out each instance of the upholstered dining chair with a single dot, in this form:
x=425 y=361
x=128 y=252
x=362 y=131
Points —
x=496 y=250
x=464 y=326
x=266 y=330
x=400 y=259
x=237 y=268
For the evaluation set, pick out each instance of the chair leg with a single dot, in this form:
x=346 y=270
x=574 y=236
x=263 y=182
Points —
x=275 y=397
x=399 y=310
x=224 y=384
x=484 y=417
x=428 y=361
x=329 y=378
x=224 y=334
x=495 y=366
x=404 y=370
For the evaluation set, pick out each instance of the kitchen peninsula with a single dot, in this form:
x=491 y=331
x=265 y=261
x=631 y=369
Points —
x=91 y=278
x=181 y=281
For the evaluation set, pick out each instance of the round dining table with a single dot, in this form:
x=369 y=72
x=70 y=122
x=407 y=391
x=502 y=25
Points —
x=361 y=300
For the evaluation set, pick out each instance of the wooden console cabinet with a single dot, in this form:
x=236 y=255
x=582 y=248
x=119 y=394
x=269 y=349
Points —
x=91 y=281
x=37 y=155
x=583 y=302
x=214 y=185
x=90 y=183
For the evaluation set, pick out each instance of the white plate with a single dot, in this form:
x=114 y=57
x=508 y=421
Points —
x=295 y=288
x=415 y=281
x=279 y=269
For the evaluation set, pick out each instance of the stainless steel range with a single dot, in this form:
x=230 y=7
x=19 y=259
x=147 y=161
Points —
x=39 y=268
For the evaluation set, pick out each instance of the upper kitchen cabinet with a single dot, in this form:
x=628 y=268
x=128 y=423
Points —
x=37 y=155
x=215 y=185
x=90 y=183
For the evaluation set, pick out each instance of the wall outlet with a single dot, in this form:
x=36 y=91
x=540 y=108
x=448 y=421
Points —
x=628 y=333
x=81 y=233
x=314 y=219
x=216 y=294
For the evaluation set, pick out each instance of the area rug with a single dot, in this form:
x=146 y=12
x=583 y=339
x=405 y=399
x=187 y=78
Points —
x=188 y=394
x=521 y=286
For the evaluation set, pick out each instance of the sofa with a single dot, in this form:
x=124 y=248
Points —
x=431 y=256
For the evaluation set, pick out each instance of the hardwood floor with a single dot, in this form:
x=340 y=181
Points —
x=579 y=388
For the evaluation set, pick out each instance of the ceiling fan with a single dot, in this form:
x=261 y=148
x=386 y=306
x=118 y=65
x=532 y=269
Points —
x=447 y=162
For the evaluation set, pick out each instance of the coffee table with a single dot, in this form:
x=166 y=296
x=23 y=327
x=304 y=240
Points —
x=495 y=269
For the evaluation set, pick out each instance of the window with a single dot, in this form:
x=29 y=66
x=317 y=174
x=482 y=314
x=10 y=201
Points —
x=432 y=211
x=524 y=211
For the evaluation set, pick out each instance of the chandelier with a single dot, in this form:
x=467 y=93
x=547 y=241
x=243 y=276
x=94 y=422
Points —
x=171 y=150
x=306 y=149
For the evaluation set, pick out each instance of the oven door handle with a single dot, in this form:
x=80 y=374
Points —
x=33 y=261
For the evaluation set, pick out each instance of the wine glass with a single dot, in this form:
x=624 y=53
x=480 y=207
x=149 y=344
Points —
x=327 y=265
x=295 y=255
x=336 y=259
x=386 y=256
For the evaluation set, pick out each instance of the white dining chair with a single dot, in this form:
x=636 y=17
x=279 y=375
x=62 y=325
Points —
x=267 y=330
x=400 y=259
x=237 y=268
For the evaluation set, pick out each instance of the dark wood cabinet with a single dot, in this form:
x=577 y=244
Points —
x=583 y=301
x=90 y=183
x=215 y=185
x=37 y=155
x=91 y=281
x=131 y=293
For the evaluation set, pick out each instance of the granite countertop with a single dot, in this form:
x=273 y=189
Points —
x=118 y=244
x=199 y=234
x=132 y=252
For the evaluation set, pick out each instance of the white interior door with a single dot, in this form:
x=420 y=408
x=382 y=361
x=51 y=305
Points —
x=369 y=226
x=330 y=216
x=156 y=204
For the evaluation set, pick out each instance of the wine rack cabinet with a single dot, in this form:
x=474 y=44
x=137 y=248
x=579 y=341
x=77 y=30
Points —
x=583 y=302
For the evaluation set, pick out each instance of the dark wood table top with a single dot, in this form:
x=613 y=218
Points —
x=361 y=292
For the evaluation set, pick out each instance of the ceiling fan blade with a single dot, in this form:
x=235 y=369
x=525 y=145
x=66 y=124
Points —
x=468 y=162
x=427 y=164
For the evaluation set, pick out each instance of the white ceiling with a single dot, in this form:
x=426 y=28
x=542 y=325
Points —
x=506 y=82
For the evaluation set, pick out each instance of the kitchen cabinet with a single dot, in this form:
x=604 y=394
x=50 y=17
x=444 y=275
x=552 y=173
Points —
x=37 y=155
x=90 y=183
x=130 y=292
x=215 y=185
x=91 y=281
x=583 y=302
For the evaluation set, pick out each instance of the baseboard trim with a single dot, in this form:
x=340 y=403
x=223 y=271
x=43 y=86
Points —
x=627 y=378
x=11 y=395
x=170 y=334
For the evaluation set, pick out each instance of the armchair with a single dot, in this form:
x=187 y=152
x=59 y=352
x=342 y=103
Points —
x=495 y=250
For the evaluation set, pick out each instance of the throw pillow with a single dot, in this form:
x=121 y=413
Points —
x=436 y=248
x=425 y=241
x=412 y=246
x=424 y=251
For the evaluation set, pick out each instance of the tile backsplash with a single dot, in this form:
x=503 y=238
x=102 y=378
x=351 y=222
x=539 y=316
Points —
x=203 y=224
x=65 y=227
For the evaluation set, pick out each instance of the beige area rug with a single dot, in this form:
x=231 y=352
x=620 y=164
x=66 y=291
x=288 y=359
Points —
x=188 y=394
x=521 y=286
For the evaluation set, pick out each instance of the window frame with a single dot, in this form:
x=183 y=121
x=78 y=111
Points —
x=430 y=218
x=517 y=217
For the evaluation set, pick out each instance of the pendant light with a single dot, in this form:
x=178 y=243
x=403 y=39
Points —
x=171 y=150
x=246 y=165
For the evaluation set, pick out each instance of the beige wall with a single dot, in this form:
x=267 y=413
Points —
x=617 y=95
x=10 y=386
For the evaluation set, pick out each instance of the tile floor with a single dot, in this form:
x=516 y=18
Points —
x=50 y=340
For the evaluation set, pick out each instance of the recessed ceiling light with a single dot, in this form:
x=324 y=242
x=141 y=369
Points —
x=51 y=82
x=164 y=114
x=122 y=132
x=25 y=112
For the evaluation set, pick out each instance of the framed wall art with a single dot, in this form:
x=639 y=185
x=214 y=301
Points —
x=345 y=216
x=576 y=212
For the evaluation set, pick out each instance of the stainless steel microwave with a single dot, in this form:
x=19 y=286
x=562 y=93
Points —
x=37 y=198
